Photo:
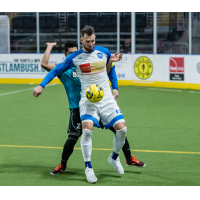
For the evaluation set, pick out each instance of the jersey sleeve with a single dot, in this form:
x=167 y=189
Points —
x=108 y=56
x=58 y=70
x=105 y=51
x=113 y=77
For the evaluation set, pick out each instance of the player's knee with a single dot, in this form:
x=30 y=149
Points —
x=86 y=136
x=87 y=124
x=120 y=124
x=73 y=137
x=121 y=134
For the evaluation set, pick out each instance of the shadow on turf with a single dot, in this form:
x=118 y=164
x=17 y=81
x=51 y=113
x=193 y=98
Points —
x=72 y=174
x=28 y=169
x=44 y=171
x=102 y=176
x=132 y=172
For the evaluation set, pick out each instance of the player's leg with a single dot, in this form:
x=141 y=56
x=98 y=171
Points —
x=118 y=143
x=111 y=116
x=119 y=139
x=126 y=148
x=86 y=142
x=89 y=116
x=86 y=147
x=119 y=127
x=68 y=149
x=74 y=132
x=130 y=159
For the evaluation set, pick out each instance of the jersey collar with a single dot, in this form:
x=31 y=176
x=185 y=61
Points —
x=88 y=52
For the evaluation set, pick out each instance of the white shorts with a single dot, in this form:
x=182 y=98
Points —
x=107 y=110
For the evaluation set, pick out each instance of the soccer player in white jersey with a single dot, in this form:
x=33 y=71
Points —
x=92 y=64
x=72 y=87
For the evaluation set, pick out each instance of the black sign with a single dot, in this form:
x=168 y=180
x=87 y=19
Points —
x=177 y=77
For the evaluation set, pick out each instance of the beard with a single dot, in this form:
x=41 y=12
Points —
x=87 y=49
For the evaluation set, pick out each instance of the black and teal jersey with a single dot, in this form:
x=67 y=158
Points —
x=72 y=86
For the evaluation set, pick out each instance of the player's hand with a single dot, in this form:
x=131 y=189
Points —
x=115 y=94
x=116 y=57
x=37 y=91
x=51 y=43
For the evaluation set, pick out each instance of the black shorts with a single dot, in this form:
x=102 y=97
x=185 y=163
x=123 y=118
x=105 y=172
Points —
x=75 y=127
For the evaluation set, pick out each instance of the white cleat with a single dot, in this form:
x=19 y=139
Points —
x=117 y=164
x=89 y=172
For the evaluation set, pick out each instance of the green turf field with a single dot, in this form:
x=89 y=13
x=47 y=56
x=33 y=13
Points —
x=163 y=131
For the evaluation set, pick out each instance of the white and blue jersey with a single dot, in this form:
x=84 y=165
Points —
x=86 y=64
x=72 y=85
x=91 y=69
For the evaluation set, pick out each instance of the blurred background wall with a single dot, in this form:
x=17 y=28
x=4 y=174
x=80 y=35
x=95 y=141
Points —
x=126 y=32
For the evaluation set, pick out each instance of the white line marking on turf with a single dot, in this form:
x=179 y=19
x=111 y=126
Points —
x=165 y=90
x=100 y=149
x=194 y=92
x=23 y=90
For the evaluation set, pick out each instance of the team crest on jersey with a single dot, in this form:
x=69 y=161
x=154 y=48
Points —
x=100 y=55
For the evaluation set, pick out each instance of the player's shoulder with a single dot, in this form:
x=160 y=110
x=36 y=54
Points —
x=102 y=49
x=70 y=57
x=75 y=54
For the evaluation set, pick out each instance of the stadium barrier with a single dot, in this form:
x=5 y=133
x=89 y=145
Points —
x=171 y=71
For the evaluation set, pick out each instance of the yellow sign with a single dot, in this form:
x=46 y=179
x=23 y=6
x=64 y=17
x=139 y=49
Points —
x=143 y=67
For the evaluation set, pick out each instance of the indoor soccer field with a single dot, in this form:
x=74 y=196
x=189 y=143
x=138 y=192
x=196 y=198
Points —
x=163 y=131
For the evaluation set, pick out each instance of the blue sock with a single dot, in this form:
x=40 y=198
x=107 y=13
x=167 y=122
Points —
x=114 y=155
x=88 y=164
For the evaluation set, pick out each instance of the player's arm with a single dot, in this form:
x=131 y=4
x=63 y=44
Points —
x=57 y=71
x=108 y=66
x=45 y=59
x=112 y=74
x=113 y=58
x=114 y=82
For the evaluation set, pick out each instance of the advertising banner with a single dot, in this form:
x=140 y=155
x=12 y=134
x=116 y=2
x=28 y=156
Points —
x=174 y=71
x=24 y=65
x=124 y=68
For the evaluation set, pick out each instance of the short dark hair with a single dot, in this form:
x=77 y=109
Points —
x=89 y=30
x=70 y=44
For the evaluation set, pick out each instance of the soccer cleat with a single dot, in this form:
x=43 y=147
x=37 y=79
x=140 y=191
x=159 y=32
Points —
x=134 y=162
x=59 y=170
x=89 y=172
x=117 y=164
